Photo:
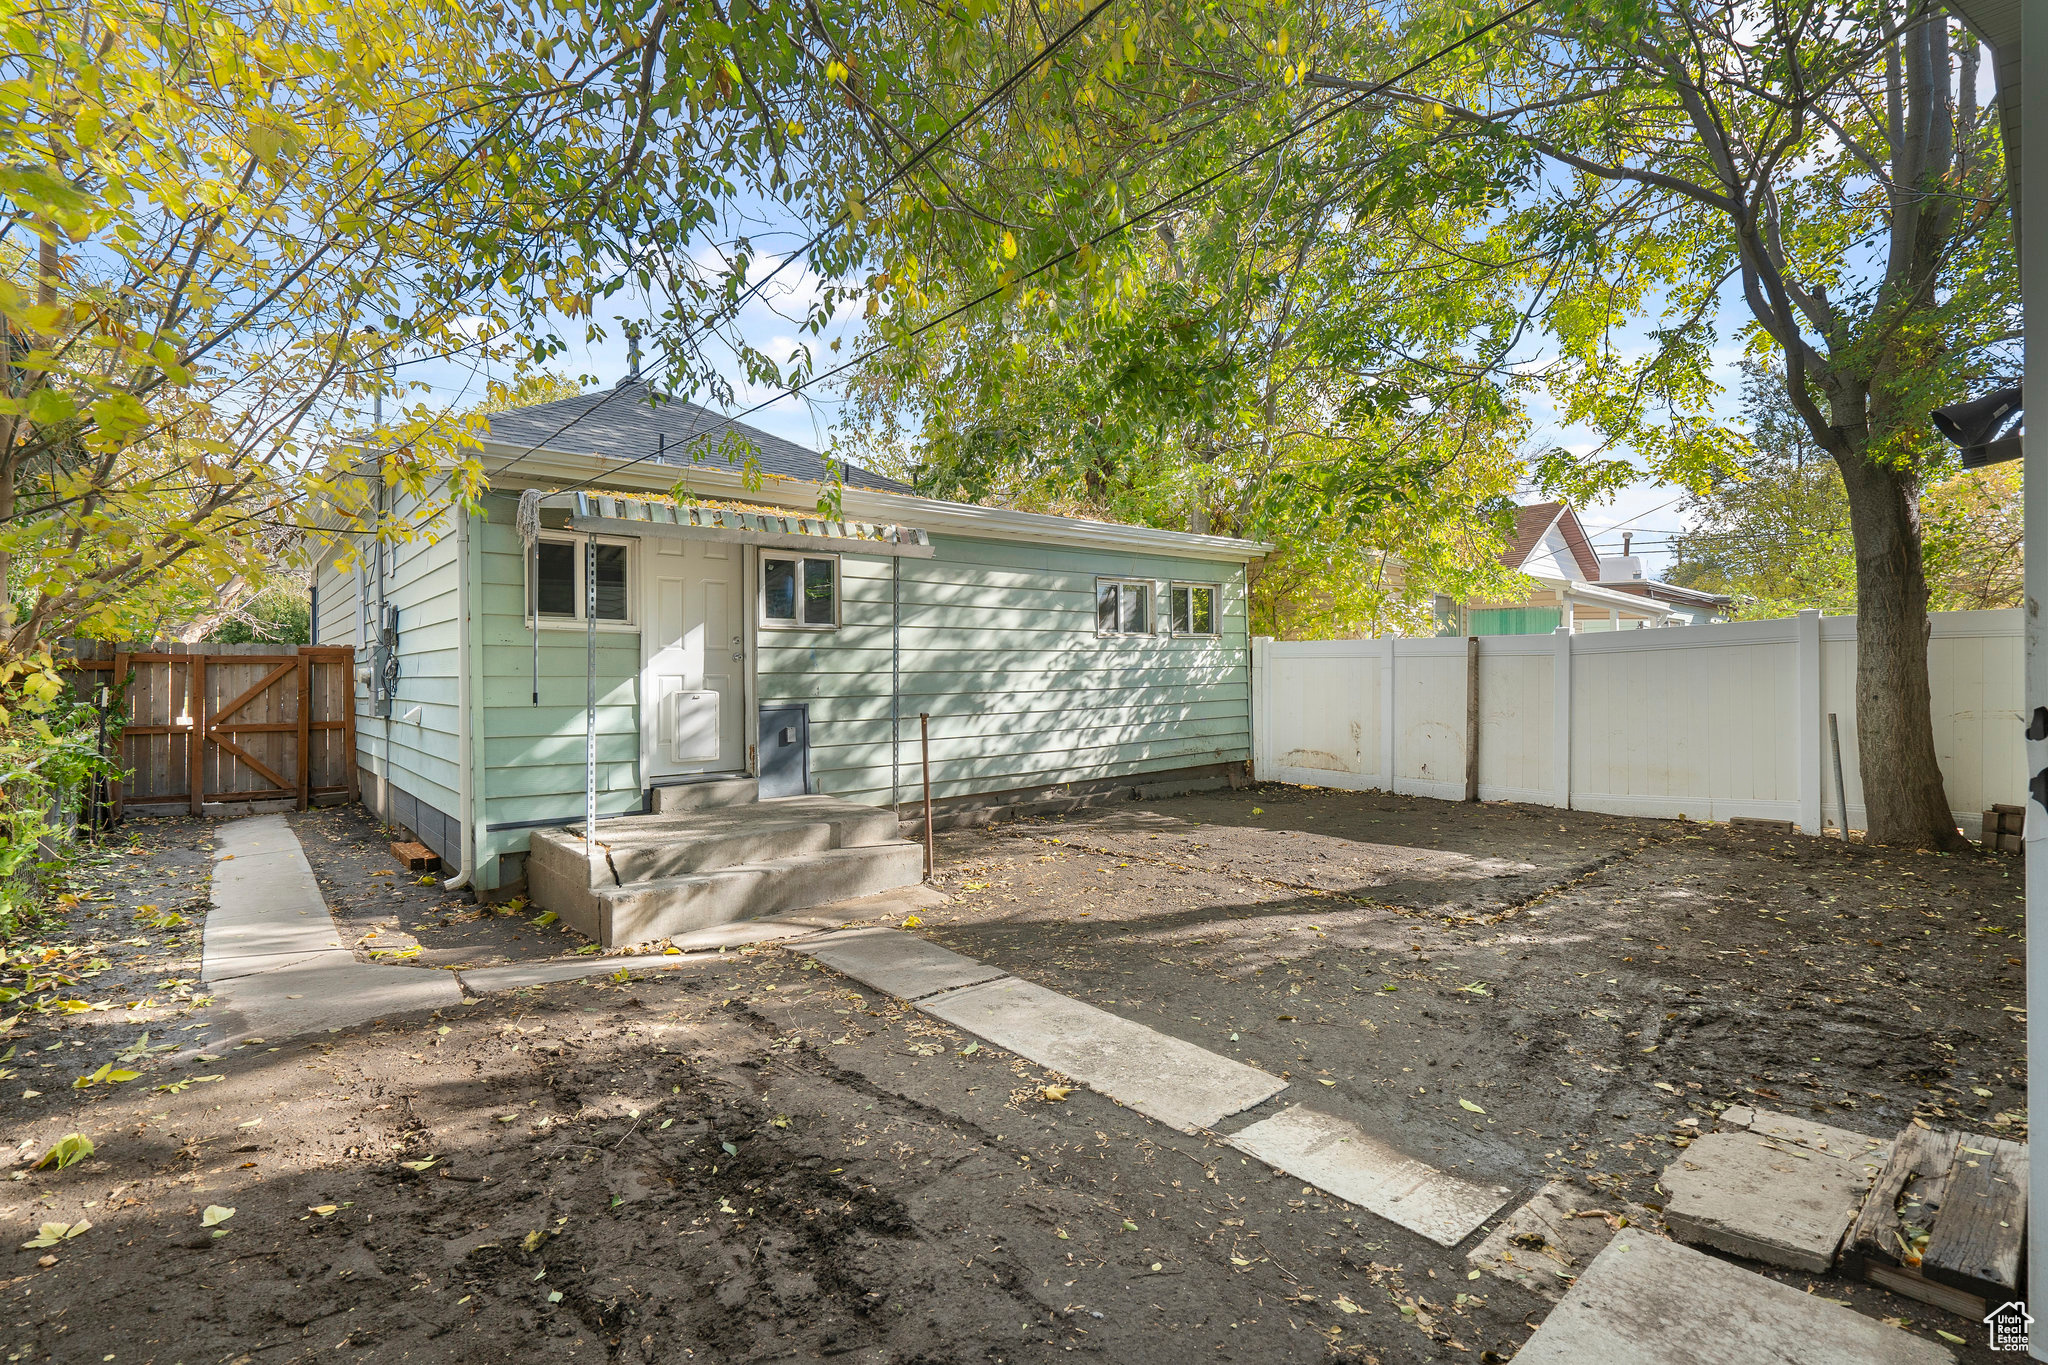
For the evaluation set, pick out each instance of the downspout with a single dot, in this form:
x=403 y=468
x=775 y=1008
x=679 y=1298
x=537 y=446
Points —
x=467 y=825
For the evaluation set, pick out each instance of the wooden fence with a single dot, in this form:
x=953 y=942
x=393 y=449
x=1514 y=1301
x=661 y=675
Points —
x=211 y=724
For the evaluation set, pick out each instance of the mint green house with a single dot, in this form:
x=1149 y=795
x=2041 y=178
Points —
x=729 y=634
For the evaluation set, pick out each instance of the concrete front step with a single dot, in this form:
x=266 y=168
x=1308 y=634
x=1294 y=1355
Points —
x=644 y=847
x=685 y=870
x=708 y=793
x=643 y=911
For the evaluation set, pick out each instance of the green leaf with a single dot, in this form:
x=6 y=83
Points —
x=1467 y=1104
x=68 y=1150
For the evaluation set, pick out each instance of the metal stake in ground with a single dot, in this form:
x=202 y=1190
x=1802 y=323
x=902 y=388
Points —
x=589 y=702
x=1841 y=789
x=924 y=739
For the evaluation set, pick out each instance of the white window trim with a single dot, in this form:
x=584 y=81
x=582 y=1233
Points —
x=1215 y=591
x=766 y=622
x=1151 y=588
x=629 y=626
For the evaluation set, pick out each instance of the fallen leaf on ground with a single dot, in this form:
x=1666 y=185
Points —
x=53 y=1233
x=68 y=1150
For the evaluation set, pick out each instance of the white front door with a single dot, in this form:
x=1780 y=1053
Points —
x=693 y=659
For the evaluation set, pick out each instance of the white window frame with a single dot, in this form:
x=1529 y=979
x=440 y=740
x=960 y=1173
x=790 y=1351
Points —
x=578 y=540
x=799 y=558
x=1215 y=591
x=1151 y=607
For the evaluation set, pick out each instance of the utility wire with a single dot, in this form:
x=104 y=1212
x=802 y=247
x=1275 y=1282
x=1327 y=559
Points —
x=1328 y=112
x=923 y=154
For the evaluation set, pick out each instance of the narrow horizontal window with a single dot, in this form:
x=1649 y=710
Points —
x=800 y=591
x=567 y=573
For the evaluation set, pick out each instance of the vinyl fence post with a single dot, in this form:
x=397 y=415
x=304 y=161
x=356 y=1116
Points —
x=1472 y=718
x=1261 y=706
x=1561 y=718
x=1387 y=717
x=1808 y=720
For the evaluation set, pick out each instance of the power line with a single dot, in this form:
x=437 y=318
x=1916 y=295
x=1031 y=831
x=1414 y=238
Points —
x=1329 y=111
x=923 y=154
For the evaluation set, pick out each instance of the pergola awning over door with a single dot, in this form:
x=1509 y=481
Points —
x=608 y=514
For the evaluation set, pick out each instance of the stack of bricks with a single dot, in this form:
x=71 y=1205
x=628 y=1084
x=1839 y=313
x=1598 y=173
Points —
x=2002 y=828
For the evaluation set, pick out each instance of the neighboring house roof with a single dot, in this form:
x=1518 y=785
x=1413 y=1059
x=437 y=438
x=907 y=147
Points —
x=1534 y=522
x=1671 y=592
x=635 y=419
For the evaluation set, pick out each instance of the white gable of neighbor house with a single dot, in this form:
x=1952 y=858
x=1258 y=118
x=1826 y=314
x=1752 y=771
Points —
x=1552 y=558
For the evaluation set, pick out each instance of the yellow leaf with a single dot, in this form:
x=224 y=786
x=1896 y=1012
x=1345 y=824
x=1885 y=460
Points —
x=1467 y=1104
x=68 y=1150
x=215 y=1215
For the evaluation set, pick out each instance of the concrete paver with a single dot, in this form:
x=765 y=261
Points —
x=1548 y=1242
x=904 y=965
x=1771 y=1201
x=1350 y=1163
x=1175 y=1082
x=1646 y=1301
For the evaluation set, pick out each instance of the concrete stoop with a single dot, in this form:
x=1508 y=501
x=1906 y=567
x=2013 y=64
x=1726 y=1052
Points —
x=712 y=854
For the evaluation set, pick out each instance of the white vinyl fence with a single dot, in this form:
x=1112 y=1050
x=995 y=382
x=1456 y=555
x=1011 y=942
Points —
x=1704 y=721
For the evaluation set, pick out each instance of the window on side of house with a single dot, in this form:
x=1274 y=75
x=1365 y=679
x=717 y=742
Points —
x=559 y=589
x=1123 y=607
x=1194 y=608
x=800 y=592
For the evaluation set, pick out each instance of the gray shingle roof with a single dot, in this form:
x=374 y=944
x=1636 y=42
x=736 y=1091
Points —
x=627 y=422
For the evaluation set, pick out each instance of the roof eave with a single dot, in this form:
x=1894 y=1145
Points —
x=547 y=469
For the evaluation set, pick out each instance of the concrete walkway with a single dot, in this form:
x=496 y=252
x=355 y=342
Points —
x=1162 y=1077
x=275 y=960
x=273 y=956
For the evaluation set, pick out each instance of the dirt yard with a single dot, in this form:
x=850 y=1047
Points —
x=752 y=1160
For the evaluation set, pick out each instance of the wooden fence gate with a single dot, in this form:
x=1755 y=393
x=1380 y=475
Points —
x=211 y=725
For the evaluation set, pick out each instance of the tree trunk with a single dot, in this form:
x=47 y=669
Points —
x=1903 y=797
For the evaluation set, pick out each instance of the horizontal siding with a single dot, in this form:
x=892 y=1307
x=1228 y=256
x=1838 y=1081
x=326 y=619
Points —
x=419 y=757
x=998 y=644
x=340 y=618
x=533 y=755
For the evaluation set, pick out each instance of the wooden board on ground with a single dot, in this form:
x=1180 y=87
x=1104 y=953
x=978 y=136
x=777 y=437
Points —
x=1946 y=1218
x=1764 y=825
x=416 y=857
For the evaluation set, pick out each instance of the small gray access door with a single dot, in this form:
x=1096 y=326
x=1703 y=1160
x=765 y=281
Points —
x=785 y=751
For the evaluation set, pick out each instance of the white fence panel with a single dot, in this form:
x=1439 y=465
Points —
x=1517 y=719
x=1705 y=721
x=1320 y=726
x=1663 y=725
x=1429 y=718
